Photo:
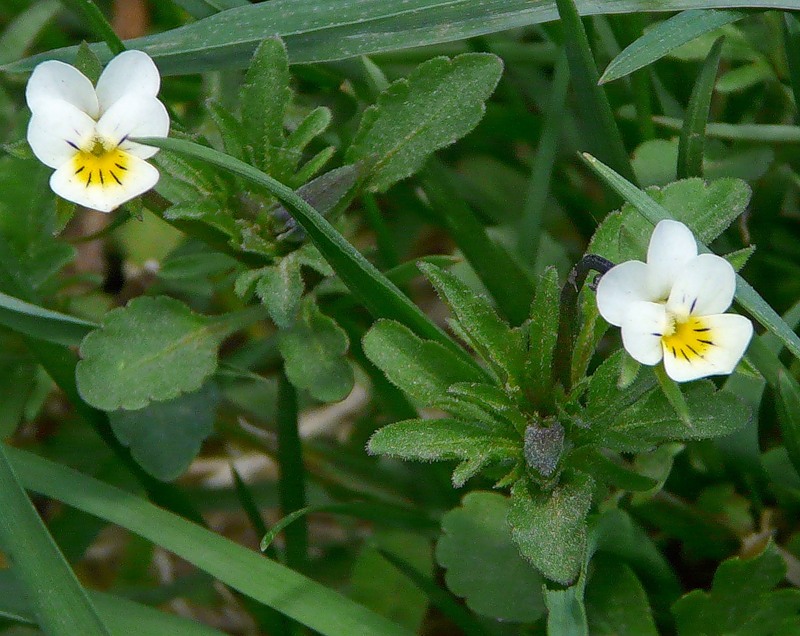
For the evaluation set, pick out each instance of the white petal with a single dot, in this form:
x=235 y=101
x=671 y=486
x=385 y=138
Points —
x=131 y=72
x=642 y=329
x=135 y=116
x=56 y=130
x=60 y=82
x=620 y=286
x=138 y=178
x=672 y=245
x=730 y=335
x=704 y=286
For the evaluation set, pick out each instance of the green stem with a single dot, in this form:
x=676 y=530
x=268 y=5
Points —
x=292 y=487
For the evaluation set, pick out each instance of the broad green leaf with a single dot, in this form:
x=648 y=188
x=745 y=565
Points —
x=117 y=613
x=742 y=600
x=692 y=140
x=422 y=368
x=303 y=599
x=592 y=461
x=60 y=603
x=379 y=295
x=165 y=437
x=438 y=440
x=341 y=29
x=542 y=336
x=440 y=102
x=495 y=341
x=480 y=560
x=616 y=603
x=42 y=323
x=280 y=288
x=313 y=350
x=265 y=98
x=566 y=613
x=549 y=528
x=747 y=297
x=666 y=36
x=152 y=349
x=708 y=208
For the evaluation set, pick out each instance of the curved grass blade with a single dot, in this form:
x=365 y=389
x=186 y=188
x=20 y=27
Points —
x=693 y=138
x=746 y=296
x=42 y=323
x=292 y=594
x=665 y=37
x=605 y=139
x=316 y=31
x=89 y=11
x=376 y=292
x=756 y=133
x=59 y=602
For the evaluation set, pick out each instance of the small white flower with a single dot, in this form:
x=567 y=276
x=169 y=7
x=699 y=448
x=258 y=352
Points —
x=672 y=307
x=83 y=132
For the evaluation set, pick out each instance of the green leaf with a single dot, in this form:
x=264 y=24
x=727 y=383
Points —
x=492 y=400
x=616 y=603
x=708 y=208
x=747 y=297
x=313 y=349
x=165 y=437
x=693 y=138
x=230 y=129
x=152 y=349
x=96 y=21
x=498 y=344
x=23 y=30
x=60 y=603
x=789 y=415
x=791 y=42
x=603 y=136
x=440 y=102
x=592 y=461
x=438 y=440
x=482 y=563
x=665 y=37
x=566 y=613
x=542 y=336
x=422 y=368
x=303 y=599
x=549 y=528
x=742 y=600
x=265 y=98
x=280 y=288
x=379 y=295
x=42 y=323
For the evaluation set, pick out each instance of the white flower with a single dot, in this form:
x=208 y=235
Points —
x=84 y=132
x=672 y=307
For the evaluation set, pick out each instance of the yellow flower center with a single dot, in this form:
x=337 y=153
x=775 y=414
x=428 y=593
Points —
x=101 y=164
x=687 y=339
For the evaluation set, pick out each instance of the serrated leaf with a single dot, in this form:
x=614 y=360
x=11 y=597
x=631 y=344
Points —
x=742 y=600
x=549 y=528
x=152 y=349
x=206 y=210
x=491 y=399
x=313 y=351
x=480 y=559
x=707 y=208
x=542 y=336
x=422 y=368
x=440 y=102
x=165 y=437
x=265 y=97
x=591 y=460
x=494 y=340
x=280 y=288
x=444 y=439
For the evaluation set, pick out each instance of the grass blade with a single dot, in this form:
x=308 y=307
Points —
x=292 y=594
x=88 y=10
x=746 y=296
x=693 y=138
x=377 y=293
x=38 y=322
x=665 y=37
x=60 y=603
x=23 y=30
x=791 y=42
x=756 y=133
x=605 y=139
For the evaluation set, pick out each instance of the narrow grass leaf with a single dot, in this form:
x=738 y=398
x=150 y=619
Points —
x=789 y=412
x=379 y=295
x=693 y=139
x=23 y=30
x=746 y=296
x=756 y=133
x=604 y=137
x=41 y=323
x=791 y=43
x=294 y=595
x=667 y=36
x=97 y=22
x=59 y=602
